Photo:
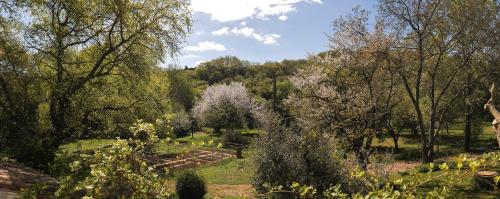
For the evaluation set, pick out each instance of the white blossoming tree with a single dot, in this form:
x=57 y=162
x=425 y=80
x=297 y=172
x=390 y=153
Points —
x=224 y=106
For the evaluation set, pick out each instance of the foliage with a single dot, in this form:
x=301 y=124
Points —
x=232 y=137
x=258 y=78
x=401 y=188
x=190 y=185
x=182 y=94
x=82 y=70
x=288 y=154
x=117 y=171
x=430 y=51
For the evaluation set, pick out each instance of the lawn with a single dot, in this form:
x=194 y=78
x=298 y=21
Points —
x=81 y=145
x=231 y=171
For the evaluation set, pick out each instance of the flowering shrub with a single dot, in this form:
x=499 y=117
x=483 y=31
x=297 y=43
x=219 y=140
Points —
x=119 y=171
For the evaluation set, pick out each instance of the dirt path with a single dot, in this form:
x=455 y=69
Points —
x=224 y=190
x=400 y=166
x=14 y=177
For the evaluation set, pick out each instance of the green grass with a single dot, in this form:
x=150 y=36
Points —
x=89 y=144
x=185 y=144
x=448 y=144
x=230 y=171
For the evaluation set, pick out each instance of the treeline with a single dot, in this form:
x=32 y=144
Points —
x=268 y=81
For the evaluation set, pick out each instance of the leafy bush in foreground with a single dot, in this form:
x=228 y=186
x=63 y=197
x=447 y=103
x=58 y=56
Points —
x=401 y=188
x=119 y=171
x=190 y=186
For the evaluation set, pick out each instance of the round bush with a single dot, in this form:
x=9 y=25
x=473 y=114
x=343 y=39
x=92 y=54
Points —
x=190 y=186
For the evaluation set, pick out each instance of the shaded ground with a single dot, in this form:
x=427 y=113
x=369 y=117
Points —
x=14 y=177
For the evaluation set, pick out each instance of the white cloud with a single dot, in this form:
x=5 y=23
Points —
x=245 y=31
x=206 y=46
x=250 y=33
x=271 y=39
x=243 y=23
x=283 y=17
x=222 y=31
x=316 y=1
x=190 y=56
x=239 y=9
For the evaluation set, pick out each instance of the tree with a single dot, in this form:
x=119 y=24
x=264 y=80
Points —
x=423 y=41
x=20 y=94
x=181 y=93
x=80 y=43
x=349 y=93
x=224 y=106
x=474 y=21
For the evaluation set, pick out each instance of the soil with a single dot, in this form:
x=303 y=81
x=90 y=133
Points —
x=14 y=177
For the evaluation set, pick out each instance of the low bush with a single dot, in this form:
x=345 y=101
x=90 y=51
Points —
x=291 y=154
x=232 y=137
x=190 y=186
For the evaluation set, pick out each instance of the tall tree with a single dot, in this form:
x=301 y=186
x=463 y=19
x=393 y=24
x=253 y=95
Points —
x=423 y=41
x=348 y=94
x=80 y=42
x=474 y=22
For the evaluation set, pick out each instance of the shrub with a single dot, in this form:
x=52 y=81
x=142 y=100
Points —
x=119 y=171
x=190 y=186
x=181 y=124
x=292 y=154
x=232 y=137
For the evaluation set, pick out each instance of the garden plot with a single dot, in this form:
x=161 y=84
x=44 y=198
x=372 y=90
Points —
x=192 y=159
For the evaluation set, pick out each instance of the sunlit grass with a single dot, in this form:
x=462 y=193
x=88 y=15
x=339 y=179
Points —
x=82 y=145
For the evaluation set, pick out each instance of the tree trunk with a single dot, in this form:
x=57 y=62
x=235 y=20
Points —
x=57 y=112
x=427 y=150
x=468 y=111
x=395 y=138
x=467 y=132
x=396 y=146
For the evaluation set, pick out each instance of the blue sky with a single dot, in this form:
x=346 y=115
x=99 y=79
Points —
x=262 y=30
